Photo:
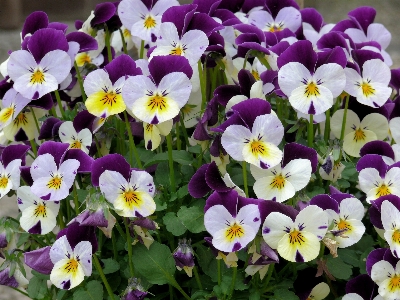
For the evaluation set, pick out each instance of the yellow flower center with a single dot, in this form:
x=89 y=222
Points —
x=76 y=144
x=21 y=120
x=396 y=236
x=6 y=113
x=296 y=237
x=126 y=33
x=83 y=58
x=383 y=190
x=40 y=211
x=109 y=99
x=132 y=198
x=343 y=225
x=367 y=89
x=37 y=77
x=3 y=182
x=257 y=147
x=394 y=283
x=157 y=102
x=234 y=231
x=359 y=135
x=311 y=90
x=278 y=182
x=255 y=75
x=149 y=22
x=71 y=266
x=178 y=50
x=55 y=182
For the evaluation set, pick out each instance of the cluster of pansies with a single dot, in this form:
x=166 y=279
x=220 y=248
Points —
x=245 y=143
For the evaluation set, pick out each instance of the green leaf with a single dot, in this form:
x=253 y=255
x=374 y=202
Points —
x=92 y=291
x=207 y=262
x=110 y=266
x=173 y=224
x=338 y=268
x=183 y=191
x=182 y=157
x=156 y=264
x=162 y=174
x=282 y=294
x=37 y=288
x=192 y=218
x=40 y=275
x=316 y=191
x=160 y=204
x=349 y=257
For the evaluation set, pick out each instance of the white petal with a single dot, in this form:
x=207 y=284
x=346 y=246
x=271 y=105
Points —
x=96 y=81
x=55 y=63
x=395 y=129
x=314 y=220
x=290 y=17
x=376 y=123
x=352 y=208
x=196 y=43
x=298 y=173
x=250 y=215
x=67 y=132
x=291 y=76
x=142 y=181
x=352 y=146
x=14 y=172
x=42 y=166
x=60 y=249
x=275 y=226
x=19 y=62
x=380 y=271
x=233 y=140
x=331 y=76
x=178 y=86
x=377 y=71
x=216 y=219
x=83 y=250
x=68 y=169
x=352 y=120
x=378 y=32
x=269 y=127
x=264 y=188
x=110 y=183
x=322 y=102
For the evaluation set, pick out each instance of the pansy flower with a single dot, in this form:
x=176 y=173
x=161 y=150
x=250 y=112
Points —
x=153 y=133
x=52 y=181
x=76 y=140
x=23 y=127
x=38 y=216
x=70 y=265
x=387 y=276
x=159 y=98
x=104 y=86
x=12 y=104
x=232 y=227
x=41 y=69
x=298 y=240
x=357 y=133
x=370 y=87
x=130 y=191
x=390 y=217
x=309 y=87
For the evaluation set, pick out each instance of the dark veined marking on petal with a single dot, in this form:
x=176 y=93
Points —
x=21 y=120
x=71 y=266
x=311 y=90
x=296 y=237
x=40 y=211
x=237 y=246
x=396 y=236
x=299 y=257
x=55 y=182
x=383 y=190
x=149 y=22
x=234 y=231
x=157 y=102
x=36 y=229
x=278 y=182
x=37 y=77
x=359 y=135
x=394 y=283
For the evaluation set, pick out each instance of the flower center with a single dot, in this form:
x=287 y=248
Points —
x=127 y=33
x=383 y=190
x=295 y=237
x=55 y=182
x=40 y=210
x=278 y=182
x=234 y=231
x=71 y=266
x=178 y=50
x=76 y=144
x=83 y=58
x=149 y=22
x=132 y=198
x=3 y=181
x=394 y=283
x=6 y=113
x=21 y=120
x=311 y=89
x=110 y=98
x=255 y=75
x=359 y=135
x=257 y=147
x=157 y=102
x=37 y=77
x=343 y=225
x=367 y=89
x=396 y=236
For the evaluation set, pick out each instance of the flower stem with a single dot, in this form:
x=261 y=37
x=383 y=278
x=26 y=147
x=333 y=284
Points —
x=185 y=135
x=76 y=203
x=33 y=145
x=18 y=290
x=36 y=121
x=132 y=146
x=141 y=53
x=219 y=271
x=327 y=126
x=171 y=164
x=129 y=245
x=123 y=41
x=103 y=277
x=202 y=85
x=80 y=81
x=244 y=169
x=346 y=105
x=232 y=288
x=108 y=46
x=196 y=275
x=59 y=104
x=311 y=131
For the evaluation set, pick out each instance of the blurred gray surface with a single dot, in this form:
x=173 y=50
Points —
x=13 y=13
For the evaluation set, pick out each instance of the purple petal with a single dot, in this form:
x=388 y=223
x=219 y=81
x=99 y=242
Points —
x=224 y=93
x=45 y=40
x=362 y=285
x=372 y=161
x=56 y=149
x=26 y=175
x=377 y=147
x=180 y=16
x=198 y=186
x=12 y=152
x=39 y=260
x=36 y=229
x=375 y=217
x=46 y=131
x=275 y=6
x=313 y=17
x=206 y=6
x=44 y=102
x=204 y=23
x=214 y=180
x=82 y=120
x=296 y=151
x=123 y=65
x=76 y=234
x=364 y=16
x=94 y=219
x=229 y=200
x=6 y=279
x=102 y=13
x=375 y=256
x=112 y=162
x=59 y=26
x=335 y=55
x=85 y=160
x=85 y=41
x=266 y=207
x=35 y=21
x=145 y=223
x=325 y=202
x=160 y=66
x=250 y=109
x=246 y=81
x=302 y=52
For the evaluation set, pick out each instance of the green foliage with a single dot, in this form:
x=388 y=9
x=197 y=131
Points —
x=92 y=291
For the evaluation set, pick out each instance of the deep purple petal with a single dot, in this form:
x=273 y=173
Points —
x=377 y=147
x=266 y=207
x=302 y=52
x=274 y=6
x=250 y=109
x=363 y=286
x=364 y=16
x=296 y=151
x=35 y=21
x=160 y=66
x=85 y=41
x=45 y=40
x=246 y=81
x=375 y=256
x=85 y=160
x=313 y=17
x=26 y=175
x=102 y=13
x=56 y=149
x=44 y=102
x=228 y=199
x=325 y=202
x=12 y=152
x=46 y=131
x=204 y=23
x=198 y=186
x=6 y=279
x=372 y=161
x=335 y=55
x=224 y=93
x=180 y=16
x=214 y=180
x=111 y=162
x=95 y=218
x=121 y=66
x=206 y=6
x=39 y=260
x=82 y=120
x=76 y=234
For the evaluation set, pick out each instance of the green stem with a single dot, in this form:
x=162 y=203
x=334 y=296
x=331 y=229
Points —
x=18 y=290
x=233 y=282
x=246 y=58
x=33 y=145
x=346 y=105
x=76 y=203
x=59 y=104
x=141 y=53
x=103 y=277
x=244 y=169
x=176 y=285
x=129 y=244
x=61 y=220
x=132 y=146
x=80 y=81
x=123 y=41
x=36 y=121
x=120 y=231
x=171 y=292
x=219 y=271
x=107 y=41
x=269 y=275
x=311 y=131
x=178 y=139
x=185 y=135
x=202 y=85
x=263 y=60
x=196 y=275
x=171 y=164
x=327 y=126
